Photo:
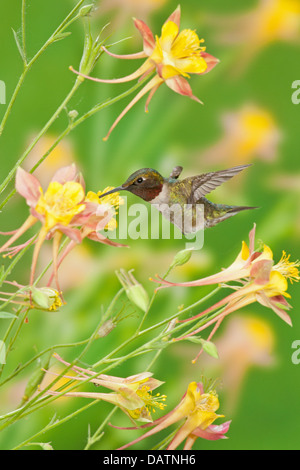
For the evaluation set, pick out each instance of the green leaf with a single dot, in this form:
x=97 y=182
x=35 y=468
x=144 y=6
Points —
x=61 y=36
x=20 y=49
x=210 y=348
x=7 y=315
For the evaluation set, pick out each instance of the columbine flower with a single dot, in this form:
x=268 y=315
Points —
x=132 y=394
x=261 y=281
x=250 y=132
x=62 y=209
x=173 y=56
x=270 y=21
x=42 y=298
x=197 y=409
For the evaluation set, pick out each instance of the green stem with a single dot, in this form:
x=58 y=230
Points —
x=151 y=301
x=40 y=400
x=56 y=423
x=40 y=134
x=158 y=325
x=65 y=133
x=27 y=66
x=98 y=434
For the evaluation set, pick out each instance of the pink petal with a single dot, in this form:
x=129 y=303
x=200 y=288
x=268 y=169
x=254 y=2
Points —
x=252 y=239
x=271 y=303
x=261 y=270
x=97 y=237
x=65 y=174
x=148 y=38
x=72 y=233
x=210 y=60
x=28 y=186
x=175 y=16
x=181 y=85
x=212 y=432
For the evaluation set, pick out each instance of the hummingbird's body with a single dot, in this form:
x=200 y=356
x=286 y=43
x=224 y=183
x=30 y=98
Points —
x=183 y=202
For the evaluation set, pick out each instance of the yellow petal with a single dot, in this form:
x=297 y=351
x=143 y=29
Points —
x=193 y=64
x=278 y=283
x=245 y=252
x=169 y=32
x=267 y=253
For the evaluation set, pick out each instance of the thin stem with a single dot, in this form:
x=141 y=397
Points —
x=40 y=400
x=72 y=125
x=56 y=423
x=151 y=302
x=98 y=434
x=158 y=325
x=27 y=66
x=37 y=138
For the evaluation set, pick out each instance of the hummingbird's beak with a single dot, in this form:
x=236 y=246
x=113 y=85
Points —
x=115 y=190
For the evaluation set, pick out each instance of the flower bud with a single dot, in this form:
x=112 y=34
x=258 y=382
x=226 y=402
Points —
x=36 y=378
x=181 y=257
x=85 y=10
x=106 y=328
x=73 y=114
x=134 y=290
x=46 y=298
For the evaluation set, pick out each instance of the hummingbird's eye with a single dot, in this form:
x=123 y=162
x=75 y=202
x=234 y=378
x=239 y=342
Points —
x=140 y=180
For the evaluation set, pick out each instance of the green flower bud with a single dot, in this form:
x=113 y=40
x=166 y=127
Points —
x=106 y=328
x=45 y=298
x=85 y=10
x=134 y=290
x=36 y=378
x=181 y=257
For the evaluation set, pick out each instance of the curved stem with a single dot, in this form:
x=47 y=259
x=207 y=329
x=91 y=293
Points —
x=27 y=66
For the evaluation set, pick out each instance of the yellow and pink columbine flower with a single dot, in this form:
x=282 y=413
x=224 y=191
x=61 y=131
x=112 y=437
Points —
x=172 y=57
x=197 y=410
x=260 y=280
x=133 y=395
x=63 y=209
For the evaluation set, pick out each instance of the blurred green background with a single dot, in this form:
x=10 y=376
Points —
x=248 y=117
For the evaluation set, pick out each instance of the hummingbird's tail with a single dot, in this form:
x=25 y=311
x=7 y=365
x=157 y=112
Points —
x=219 y=212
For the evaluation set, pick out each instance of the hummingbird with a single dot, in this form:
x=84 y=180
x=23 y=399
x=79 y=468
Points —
x=183 y=201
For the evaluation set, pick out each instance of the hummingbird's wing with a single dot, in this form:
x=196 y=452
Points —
x=207 y=182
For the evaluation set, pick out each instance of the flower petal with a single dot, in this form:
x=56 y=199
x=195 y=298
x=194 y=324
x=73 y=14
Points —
x=148 y=38
x=210 y=60
x=169 y=33
x=66 y=173
x=28 y=186
x=261 y=270
x=72 y=233
x=175 y=16
x=181 y=86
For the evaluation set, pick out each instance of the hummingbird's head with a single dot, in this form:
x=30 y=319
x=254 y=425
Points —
x=145 y=183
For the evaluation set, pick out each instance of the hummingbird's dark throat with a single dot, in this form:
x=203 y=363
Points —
x=148 y=194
